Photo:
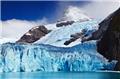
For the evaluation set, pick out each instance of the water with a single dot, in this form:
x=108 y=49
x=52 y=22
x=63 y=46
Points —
x=61 y=75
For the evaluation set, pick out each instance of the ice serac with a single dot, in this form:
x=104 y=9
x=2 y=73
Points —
x=16 y=57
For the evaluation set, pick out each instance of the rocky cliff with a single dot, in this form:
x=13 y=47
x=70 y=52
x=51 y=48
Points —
x=109 y=45
x=108 y=35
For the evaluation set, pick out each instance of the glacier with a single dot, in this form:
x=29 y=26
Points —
x=59 y=35
x=17 y=57
x=51 y=55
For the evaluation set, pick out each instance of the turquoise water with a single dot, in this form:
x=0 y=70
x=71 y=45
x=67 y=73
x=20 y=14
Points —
x=60 y=75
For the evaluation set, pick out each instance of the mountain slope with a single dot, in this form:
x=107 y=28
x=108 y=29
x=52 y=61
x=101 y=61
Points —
x=73 y=22
x=59 y=36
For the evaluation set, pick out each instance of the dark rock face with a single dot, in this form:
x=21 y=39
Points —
x=34 y=34
x=74 y=37
x=109 y=45
x=64 y=23
x=108 y=35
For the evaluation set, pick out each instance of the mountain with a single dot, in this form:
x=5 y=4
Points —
x=59 y=36
x=74 y=14
x=63 y=33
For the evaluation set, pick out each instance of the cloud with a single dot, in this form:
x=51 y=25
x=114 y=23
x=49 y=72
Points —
x=100 y=9
x=75 y=14
x=15 y=28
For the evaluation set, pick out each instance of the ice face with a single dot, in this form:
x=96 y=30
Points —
x=39 y=57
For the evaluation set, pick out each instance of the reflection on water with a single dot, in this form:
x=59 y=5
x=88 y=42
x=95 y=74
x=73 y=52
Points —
x=60 y=75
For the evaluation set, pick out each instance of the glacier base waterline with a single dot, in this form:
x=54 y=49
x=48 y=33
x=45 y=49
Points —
x=16 y=57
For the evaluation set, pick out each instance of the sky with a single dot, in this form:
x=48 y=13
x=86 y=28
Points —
x=52 y=10
x=27 y=10
x=17 y=17
x=34 y=10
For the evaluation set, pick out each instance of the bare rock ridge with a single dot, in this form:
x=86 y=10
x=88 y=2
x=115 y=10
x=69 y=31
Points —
x=109 y=38
x=64 y=23
x=75 y=37
x=34 y=34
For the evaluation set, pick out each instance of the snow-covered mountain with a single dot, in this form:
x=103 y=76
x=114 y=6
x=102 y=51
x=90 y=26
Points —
x=74 y=14
x=61 y=31
x=59 y=36
x=65 y=30
x=73 y=21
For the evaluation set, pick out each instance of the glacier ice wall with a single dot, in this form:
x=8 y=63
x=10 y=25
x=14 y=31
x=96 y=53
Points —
x=39 y=57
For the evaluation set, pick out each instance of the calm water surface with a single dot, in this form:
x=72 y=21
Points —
x=61 y=75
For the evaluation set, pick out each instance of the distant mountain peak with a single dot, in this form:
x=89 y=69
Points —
x=74 y=14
